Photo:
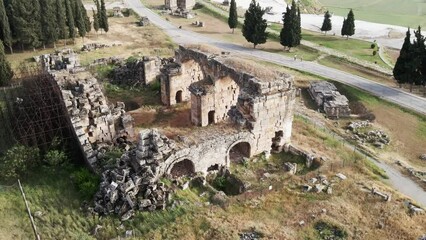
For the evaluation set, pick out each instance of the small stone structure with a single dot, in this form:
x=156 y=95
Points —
x=64 y=59
x=142 y=71
x=327 y=97
x=117 y=12
x=144 y=21
x=182 y=4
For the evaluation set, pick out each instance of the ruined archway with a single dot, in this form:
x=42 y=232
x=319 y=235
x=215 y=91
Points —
x=182 y=168
x=178 y=97
x=238 y=152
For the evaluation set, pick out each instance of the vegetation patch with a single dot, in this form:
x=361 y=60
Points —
x=329 y=231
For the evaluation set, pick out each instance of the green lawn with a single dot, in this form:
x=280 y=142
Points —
x=397 y=12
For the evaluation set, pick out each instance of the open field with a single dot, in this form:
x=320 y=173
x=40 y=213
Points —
x=396 y=12
x=128 y=39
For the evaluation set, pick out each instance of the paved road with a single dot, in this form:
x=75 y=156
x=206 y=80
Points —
x=182 y=36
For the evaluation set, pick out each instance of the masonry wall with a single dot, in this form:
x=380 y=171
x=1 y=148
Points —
x=171 y=83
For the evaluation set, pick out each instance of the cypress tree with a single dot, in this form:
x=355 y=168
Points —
x=350 y=24
x=343 y=30
x=79 y=20
x=5 y=32
x=298 y=27
x=254 y=28
x=61 y=26
x=87 y=23
x=48 y=22
x=6 y=72
x=286 y=33
x=70 y=19
x=95 y=21
x=418 y=53
x=401 y=69
x=326 y=24
x=103 y=23
x=25 y=20
x=233 y=16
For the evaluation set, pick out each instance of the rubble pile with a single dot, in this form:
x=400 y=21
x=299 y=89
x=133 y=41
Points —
x=376 y=137
x=133 y=184
x=250 y=235
x=423 y=157
x=93 y=46
x=63 y=59
x=322 y=184
x=136 y=71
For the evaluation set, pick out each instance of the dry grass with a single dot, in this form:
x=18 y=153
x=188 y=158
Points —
x=252 y=68
x=205 y=48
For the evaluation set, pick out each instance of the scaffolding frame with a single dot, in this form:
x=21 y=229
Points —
x=34 y=113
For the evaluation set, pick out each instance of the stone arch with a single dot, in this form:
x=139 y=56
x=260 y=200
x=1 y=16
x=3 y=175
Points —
x=237 y=151
x=181 y=168
x=178 y=96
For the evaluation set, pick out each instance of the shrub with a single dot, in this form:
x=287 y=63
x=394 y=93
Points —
x=374 y=53
x=105 y=71
x=373 y=46
x=219 y=182
x=330 y=231
x=87 y=183
x=155 y=86
x=55 y=157
x=17 y=160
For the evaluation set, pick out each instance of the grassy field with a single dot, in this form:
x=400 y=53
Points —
x=396 y=12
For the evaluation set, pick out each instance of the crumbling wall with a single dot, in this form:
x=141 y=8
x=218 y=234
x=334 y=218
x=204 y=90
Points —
x=93 y=120
x=177 y=77
x=141 y=71
x=223 y=92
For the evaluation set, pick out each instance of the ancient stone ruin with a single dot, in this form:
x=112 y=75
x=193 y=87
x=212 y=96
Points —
x=64 y=59
x=179 y=4
x=137 y=71
x=245 y=116
x=328 y=99
x=94 y=121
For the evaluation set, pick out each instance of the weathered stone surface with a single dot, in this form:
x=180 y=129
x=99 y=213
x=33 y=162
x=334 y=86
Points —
x=327 y=97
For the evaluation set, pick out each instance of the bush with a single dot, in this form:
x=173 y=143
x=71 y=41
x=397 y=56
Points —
x=219 y=183
x=373 y=46
x=55 y=157
x=374 y=53
x=17 y=160
x=330 y=231
x=87 y=183
x=105 y=71
x=155 y=86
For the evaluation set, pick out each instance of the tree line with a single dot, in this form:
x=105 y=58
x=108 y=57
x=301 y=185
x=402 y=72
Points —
x=254 y=27
x=36 y=23
x=410 y=66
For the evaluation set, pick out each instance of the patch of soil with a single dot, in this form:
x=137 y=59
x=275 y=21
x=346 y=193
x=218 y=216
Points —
x=143 y=117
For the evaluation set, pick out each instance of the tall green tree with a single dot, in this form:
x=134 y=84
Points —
x=343 y=30
x=348 y=28
x=254 y=28
x=79 y=19
x=286 y=34
x=418 y=52
x=326 y=24
x=61 y=26
x=103 y=23
x=5 y=32
x=48 y=22
x=70 y=19
x=6 y=72
x=95 y=21
x=291 y=34
x=298 y=26
x=87 y=23
x=401 y=71
x=25 y=23
x=233 y=16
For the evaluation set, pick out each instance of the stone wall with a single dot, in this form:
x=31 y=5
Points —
x=219 y=93
x=93 y=120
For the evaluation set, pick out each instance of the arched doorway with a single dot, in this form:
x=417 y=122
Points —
x=182 y=168
x=211 y=117
x=238 y=152
x=178 y=96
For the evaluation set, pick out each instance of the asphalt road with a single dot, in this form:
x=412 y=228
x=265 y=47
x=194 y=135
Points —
x=182 y=36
